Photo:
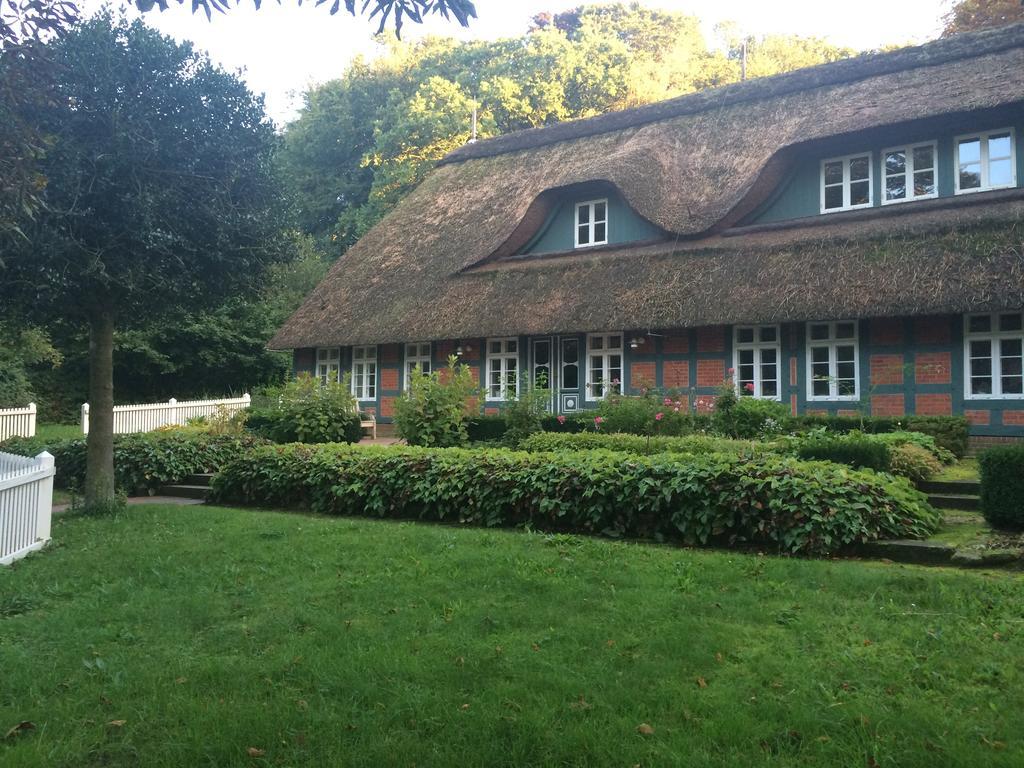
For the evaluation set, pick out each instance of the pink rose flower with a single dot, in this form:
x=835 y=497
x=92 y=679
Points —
x=749 y=386
x=732 y=371
x=668 y=401
x=615 y=382
x=599 y=419
x=561 y=419
x=676 y=409
x=659 y=416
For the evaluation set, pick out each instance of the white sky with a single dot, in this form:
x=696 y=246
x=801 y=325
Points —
x=283 y=49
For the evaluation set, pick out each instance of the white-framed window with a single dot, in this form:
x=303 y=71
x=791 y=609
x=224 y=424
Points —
x=846 y=183
x=591 y=223
x=604 y=364
x=993 y=344
x=909 y=173
x=502 y=368
x=417 y=355
x=756 y=356
x=832 y=365
x=364 y=372
x=985 y=161
x=328 y=364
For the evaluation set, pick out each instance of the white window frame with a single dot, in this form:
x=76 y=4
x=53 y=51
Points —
x=326 y=362
x=364 y=382
x=909 y=171
x=983 y=137
x=845 y=160
x=591 y=204
x=606 y=353
x=502 y=358
x=757 y=346
x=832 y=342
x=993 y=336
x=414 y=356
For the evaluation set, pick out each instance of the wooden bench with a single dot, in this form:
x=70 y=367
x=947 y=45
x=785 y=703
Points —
x=368 y=421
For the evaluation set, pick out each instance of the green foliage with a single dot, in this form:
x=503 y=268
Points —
x=920 y=439
x=524 y=413
x=21 y=349
x=950 y=432
x=483 y=428
x=650 y=413
x=972 y=15
x=854 y=449
x=695 y=444
x=1002 y=486
x=752 y=417
x=434 y=409
x=913 y=462
x=771 y=502
x=144 y=461
x=306 y=411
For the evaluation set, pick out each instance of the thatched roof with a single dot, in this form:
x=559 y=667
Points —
x=437 y=267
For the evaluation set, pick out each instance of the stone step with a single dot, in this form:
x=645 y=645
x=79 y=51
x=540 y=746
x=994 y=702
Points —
x=183 y=491
x=198 y=480
x=954 y=501
x=962 y=487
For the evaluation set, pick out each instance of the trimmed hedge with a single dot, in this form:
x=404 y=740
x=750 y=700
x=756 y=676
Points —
x=144 y=461
x=486 y=428
x=852 y=450
x=775 y=502
x=644 y=446
x=950 y=432
x=1002 y=486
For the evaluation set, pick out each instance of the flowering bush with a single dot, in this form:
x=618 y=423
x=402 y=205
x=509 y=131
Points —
x=434 y=410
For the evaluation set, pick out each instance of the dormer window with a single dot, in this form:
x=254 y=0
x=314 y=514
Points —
x=985 y=161
x=846 y=183
x=908 y=173
x=591 y=223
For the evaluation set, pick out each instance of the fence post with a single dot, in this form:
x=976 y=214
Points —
x=31 y=420
x=248 y=400
x=45 y=509
x=85 y=418
x=173 y=403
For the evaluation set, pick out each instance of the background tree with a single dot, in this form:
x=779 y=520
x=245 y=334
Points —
x=160 y=198
x=969 y=15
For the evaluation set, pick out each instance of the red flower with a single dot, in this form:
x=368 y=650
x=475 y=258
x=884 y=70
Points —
x=732 y=371
x=668 y=401
x=599 y=419
x=561 y=419
x=659 y=416
x=749 y=386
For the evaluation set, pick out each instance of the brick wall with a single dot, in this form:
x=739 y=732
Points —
x=933 y=368
x=710 y=373
x=675 y=374
x=886 y=369
x=887 y=405
x=642 y=375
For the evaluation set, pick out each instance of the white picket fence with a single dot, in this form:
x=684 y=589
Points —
x=147 y=417
x=26 y=501
x=18 y=422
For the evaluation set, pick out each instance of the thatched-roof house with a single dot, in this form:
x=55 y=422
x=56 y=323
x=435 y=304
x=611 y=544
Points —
x=845 y=236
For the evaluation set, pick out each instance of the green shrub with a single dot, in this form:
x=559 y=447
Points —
x=571 y=422
x=920 y=439
x=751 y=417
x=776 y=502
x=144 y=461
x=480 y=429
x=913 y=462
x=854 y=449
x=650 y=414
x=1002 y=486
x=949 y=432
x=307 y=411
x=524 y=413
x=434 y=409
x=645 y=446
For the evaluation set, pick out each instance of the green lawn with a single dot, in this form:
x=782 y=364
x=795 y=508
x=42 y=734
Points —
x=184 y=636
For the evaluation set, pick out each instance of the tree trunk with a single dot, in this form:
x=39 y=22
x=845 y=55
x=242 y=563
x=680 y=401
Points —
x=99 y=459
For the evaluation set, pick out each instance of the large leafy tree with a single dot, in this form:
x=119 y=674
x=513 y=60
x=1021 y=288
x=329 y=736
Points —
x=969 y=15
x=160 y=198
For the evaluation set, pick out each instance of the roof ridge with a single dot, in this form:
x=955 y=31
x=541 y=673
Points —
x=943 y=50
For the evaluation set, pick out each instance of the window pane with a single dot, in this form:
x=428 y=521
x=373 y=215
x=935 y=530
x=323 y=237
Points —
x=845 y=353
x=859 y=168
x=570 y=376
x=833 y=197
x=511 y=346
x=999 y=147
x=845 y=330
x=895 y=188
x=970 y=176
x=979 y=324
x=570 y=351
x=1009 y=348
x=860 y=193
x=1000 y=173
x=769 y=333
x=597 y=342
x=969 y=151
x=1011 y=385
x=583 y=214
x=846 y=387
x=819 y=355
x=744 y=335
x=600 y=212
x=1011 y=322
x=768 y=356
x=819 y=331
x=583 y=234
x=746 y=357
x=981 y=385
x=600 y=235
x=895 y=162
x=820 y=387
x=615 y=342
x=924 y=157
x=769 y=389
x=924 y=183
x=844 y=371
x=542 y=353
x=834 y=173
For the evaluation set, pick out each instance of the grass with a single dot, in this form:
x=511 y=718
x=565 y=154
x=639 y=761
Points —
x=194 y=636
x=965 y=470
x=58 y=431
